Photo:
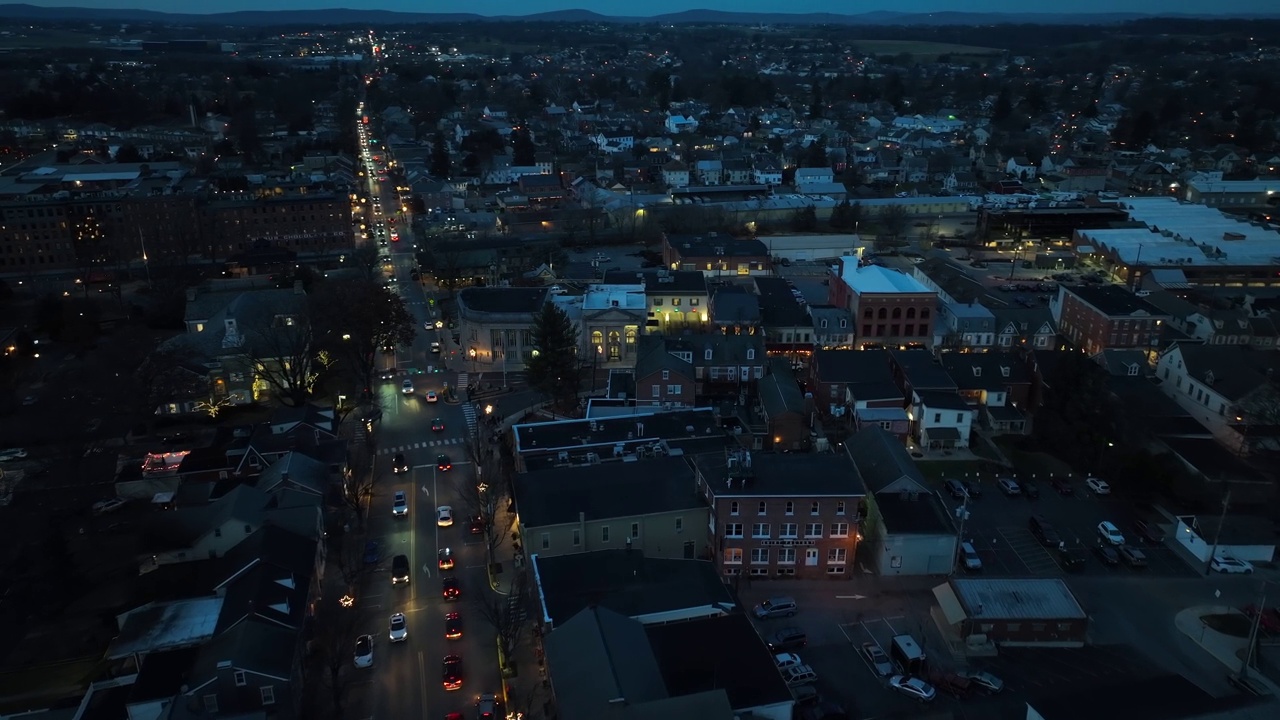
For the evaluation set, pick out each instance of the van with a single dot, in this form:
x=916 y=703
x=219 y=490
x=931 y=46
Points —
x=1043 y=531
x=970 y=556
x=799 y=675
x=399 y=569
x=955 y=489
x=775 y=607
x=907 y=655
x=787 y=639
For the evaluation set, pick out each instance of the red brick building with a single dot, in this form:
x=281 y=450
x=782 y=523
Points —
x=889 y=308
x=305 y=220
x=716 y=255
x=662 y=378
x=1097 y=318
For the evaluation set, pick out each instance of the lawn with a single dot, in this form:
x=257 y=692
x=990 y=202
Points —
x=920 y=48
x=1040 y=465
x=29 y=687
x=1233 y=624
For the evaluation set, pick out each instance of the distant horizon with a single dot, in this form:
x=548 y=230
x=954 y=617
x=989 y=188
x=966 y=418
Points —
x=622 y=8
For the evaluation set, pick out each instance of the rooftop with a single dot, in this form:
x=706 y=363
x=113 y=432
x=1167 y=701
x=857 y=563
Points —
x=689 y=246
x=604 y=297
x=778 y=306
x=593 y=434
x=1114 y=301
x=597 y=656
x=501 y=300
x=1016 y=599
x=878 y=280
x=922 y=370
x=165 y=626
x=561 y=495
x=779 y=475
x=661 y=282
x=1185 y=234
x=718 y=653
x=626 y=582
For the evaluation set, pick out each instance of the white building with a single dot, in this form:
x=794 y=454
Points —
x=677 y=123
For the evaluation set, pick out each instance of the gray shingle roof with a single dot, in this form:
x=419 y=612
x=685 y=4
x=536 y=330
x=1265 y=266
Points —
x=882 y=460
x=625 y=489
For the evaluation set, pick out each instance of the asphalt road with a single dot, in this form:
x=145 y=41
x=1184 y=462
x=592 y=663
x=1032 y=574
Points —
x=406 y=677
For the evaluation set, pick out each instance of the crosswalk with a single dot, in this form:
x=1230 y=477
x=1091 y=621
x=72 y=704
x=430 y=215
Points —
x=419 y=446
x=469 y=413
x=462 y=382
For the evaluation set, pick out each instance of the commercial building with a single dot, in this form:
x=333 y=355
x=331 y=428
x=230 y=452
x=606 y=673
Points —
x=495 y=326
x=1010 y=612
x=889 y=308
x=613 y=317
x=715 y=255
x=677 y=300
x=1097 y=318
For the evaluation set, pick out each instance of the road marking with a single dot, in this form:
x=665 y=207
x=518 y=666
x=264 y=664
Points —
x=422 y=681
x=851 y=597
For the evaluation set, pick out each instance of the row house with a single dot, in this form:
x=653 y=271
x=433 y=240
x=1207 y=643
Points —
x=858 y=386
x=1219 y=386
x=715 y=255
x=997 y=385
x=727 y=365
x=677 y=300
x=675 y=174
x=1216 y=326
x=1095 y=318
x=940 y=416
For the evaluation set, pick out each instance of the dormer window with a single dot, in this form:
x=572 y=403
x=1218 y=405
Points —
x=751 y=353
x=707 y=355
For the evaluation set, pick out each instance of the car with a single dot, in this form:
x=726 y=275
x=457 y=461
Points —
x=956 y=684
x=452 y=672
x=437 y=425
x=1149 y=532
x=487 y=707
x=452 y=626
x=364 y=651
x=450 y=590
x=12 y=454
x=1230 y=565
x=388 y=374
x=399 y=464
x=435 y=348
x=102 y=507
x=399 y=569
x=400 y=504
x=476 y=525
x=973 y=488
x=398 y=629
x=443 y=463
x=1132 y=556
x=1110 y=534
x=956 y=489
x=791 y=638
x=1269 y=620
x=1107 y=554
x=1043 y=531
x=787 y=660
x=372 y=553
x=985 y=680
x=432 y=397
x=1009 y=487
x=406 y=387
x=877 y=659
x=1030 y=490
x=1098 y=486
x=1063 y=486
x=444 y=516
x=1070 y=559
x=969 y=556
x=444 y=559
x=913 y=687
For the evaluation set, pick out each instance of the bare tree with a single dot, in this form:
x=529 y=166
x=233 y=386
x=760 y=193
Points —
x=508 y=614
x=357 y=487
x=893 y=222
x=332 y=643
x=483 y=496
x=365 y=259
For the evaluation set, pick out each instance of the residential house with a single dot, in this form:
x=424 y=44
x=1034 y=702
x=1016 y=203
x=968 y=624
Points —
x=1021 y=168
x=737 y=171
x=677 y=123
x=765 y=170
x=677 y=300
x=675 y=174
x=775 y=515
x=709 y=172
x=832 y=327
x=734 y=311
x=1095 y=318
x=662 y=378
x=859 y=384
x=651 y=506
x=814 y=176
x=495 y=326
x=1215 y=383
x=941 y=418
x=785 y=319
x=722 y=364
x=889 y=307
x=1025 y=328
x=715 y=255
x=253 y=668
x=907 y=527
x=997 y=385
x=613 y=318
x=784 y=409
x=1215 y=326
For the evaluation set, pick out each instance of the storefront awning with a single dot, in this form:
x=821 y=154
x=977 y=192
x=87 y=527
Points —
x=949 y=604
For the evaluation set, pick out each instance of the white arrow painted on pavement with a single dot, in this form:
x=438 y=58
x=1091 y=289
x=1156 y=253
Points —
x=851 y=597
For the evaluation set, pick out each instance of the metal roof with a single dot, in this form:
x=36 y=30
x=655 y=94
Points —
x=1016 y=599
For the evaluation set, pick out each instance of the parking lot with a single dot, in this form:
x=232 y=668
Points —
x=998 y=529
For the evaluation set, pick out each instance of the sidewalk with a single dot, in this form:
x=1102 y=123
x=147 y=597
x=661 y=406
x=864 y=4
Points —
x=525 y=687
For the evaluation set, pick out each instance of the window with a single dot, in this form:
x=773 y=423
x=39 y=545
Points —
x=217 y=532
x=635 y=530
x=268 y=693
x=787 y=530
x=675 y=302
x=733 y=530
x=733 y=508
x=791 y=508
x=813 y=530
x=835 y=569
x=211 y=703
x=786 y=556
x=657 y=302
x=679 y=524
x=733 y=556
x=760 y=530
x=577 y=538
x=546 y=541
x=813 y=508
x=759 y=556
x=657 y=391
x=666 y=374
x=241 y=680
x=835 y=556
x=707 y=355
x=673 y=389
x=604 y=534
x=751 y=353
x=839 y=507
x=764 y=507
x=839 y=530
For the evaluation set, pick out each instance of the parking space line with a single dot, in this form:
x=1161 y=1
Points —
x=1037 y=560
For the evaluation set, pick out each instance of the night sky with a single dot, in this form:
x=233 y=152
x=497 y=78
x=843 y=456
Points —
x=657 y=7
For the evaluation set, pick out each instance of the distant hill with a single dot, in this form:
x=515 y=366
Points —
x=342 y=16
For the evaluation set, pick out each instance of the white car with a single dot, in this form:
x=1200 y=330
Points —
x=364 y=651
x=1228 y=564
x=406 y=387
x=444 y=516
x=435 y=348
x=399 y=629
x=102 y=507
x=12 y=454
x=1098 y=486
x=400 y=505
x=1110 y=534
x=786 y=660
x=431 y=396
x=913 y=687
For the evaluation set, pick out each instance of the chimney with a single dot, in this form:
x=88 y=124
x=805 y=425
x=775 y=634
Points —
x=191 y=294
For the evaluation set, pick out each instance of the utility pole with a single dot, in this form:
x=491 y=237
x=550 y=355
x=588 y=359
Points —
x=962 y=512
x=1217 y=533
x=1253 y=635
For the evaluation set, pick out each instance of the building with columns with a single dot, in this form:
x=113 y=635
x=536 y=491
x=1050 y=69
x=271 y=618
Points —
x=612 y=317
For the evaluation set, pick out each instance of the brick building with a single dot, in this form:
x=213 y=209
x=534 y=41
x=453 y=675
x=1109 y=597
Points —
x=889 y=308
x=306 y=220
x=715 y=255
x=782 y=515
x=1097 y=318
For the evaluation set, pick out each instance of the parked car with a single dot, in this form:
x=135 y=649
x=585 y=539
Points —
x=877 y=659
x=1030 y=489
x=1110 y=534
x=1009 y=486
x=1072 y=560
x=1107 y=554
x=955 y=488
x=1098 y=486
x=973 y=488
x=1063 y=486
x=913 y=687
x=1043 y=531
x=790 y=638
x=985 y=680
x=400 y=504
x=954 y=684
x=1134 y=557
x=1270 y=620
x=1230 y=565
x=969 y=556
x=1149 y=532
x=787 y=660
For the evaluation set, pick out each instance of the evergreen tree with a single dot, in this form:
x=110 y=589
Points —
x=553 y=367
x=524 y=150
x=440 y=164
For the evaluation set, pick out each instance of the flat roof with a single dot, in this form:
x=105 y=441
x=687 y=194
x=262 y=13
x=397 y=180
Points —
x=718 y=653
x=601 y=432
x=559 y=496
x=1010 y=599
x=876 y=279
x=168 y=625
x=605 y=297
x=1207 y=187
x=1186 y=234
x=781 y=475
